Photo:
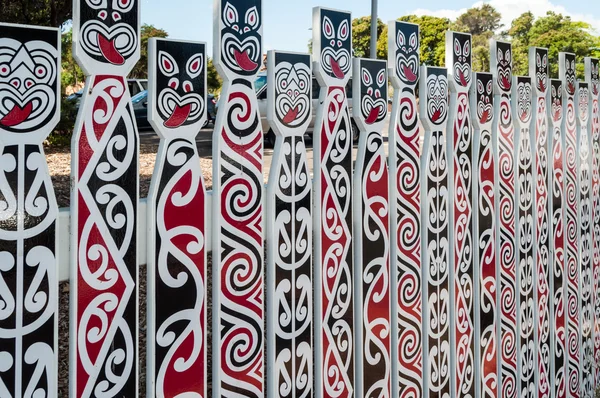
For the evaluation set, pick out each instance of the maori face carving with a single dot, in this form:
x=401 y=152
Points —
x=503 y=65
x=373 y=91
x=541 y=69
x=593 y=76
x=556 y=99
x=241 y=34
x=568 y=72
x=485 y=95
x=29 y=85
x=407 y=52
x=437 y=96
x=336 y=43
x=107 y=30
x=583 y=100
x=461 y=61
x=180 y=88
x=524 y=99
x=293 y=84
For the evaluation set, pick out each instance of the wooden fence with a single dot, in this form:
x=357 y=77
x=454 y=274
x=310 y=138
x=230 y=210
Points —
x=466 y=264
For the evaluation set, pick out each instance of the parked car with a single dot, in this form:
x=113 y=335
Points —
x=135 y=87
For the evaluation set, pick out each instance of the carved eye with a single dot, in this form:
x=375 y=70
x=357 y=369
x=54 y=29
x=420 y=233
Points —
x=123 y=5
x=500 y=55
x=167 y=64
x=467 y=48
x=573 y=65
x=413 y=40
x=328 y=28
x=343 y=30
x=174 y=83
x=381 y=78
x=194 y=65
x=4 y=70
x=102 y=15
x=366 y=77
x=230 y=15
x=456 y=47
x=508 y=56
x=544 y=61
x=252 y=19
x=538 y=60
x=489 y=87
x=41 y=71
x=400 y=39
x=480 y=88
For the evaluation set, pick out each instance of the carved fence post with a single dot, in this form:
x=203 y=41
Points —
x=557 y=243
x=504 y=143
x=433 y=105
x=538 y=71
x=405 y=209
x=289 y=226
x=238 y=302
x=29 y=111
x=566 y=67
x=521 y=104
x=484 y=232
x=584 y=238
x=104 y=199
x=460 y=175
x=591 y=77
x=177 y=221
x=332 y=140
x=371 y=225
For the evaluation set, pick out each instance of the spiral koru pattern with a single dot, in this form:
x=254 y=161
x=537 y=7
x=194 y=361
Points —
x=177 y=328
x=486 y=238
x=105 y=196
x=373 y=249
x=585 y=245
x=290 y=276
x=464 y=308
x=238 y=246
x=406 y=181
x=333 y=258
x=436 y=265
x=595 y=199
x=558 y=265
x=543 y=250
x=572 y=250
x=505 y=136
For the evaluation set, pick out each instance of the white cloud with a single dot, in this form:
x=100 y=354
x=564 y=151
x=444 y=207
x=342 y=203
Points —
x=511 y=9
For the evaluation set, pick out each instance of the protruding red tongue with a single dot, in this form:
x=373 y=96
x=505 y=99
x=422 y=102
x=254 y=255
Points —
x=179 y=116
x=17 y=115
x=409 y=74
x=542 y=86
x=244 y=61
x=571 y=88
x=291 y=115
x=436 y=115
x=337 y=71
x=463 y=80
x=373 y=115
x=110 y=52
x=484 y=116
x=505 y=83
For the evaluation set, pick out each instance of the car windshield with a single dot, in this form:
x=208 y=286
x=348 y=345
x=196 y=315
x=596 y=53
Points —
x=260 y=82
x=139 y=97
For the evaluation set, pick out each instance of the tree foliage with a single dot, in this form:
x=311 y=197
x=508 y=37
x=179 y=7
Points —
x=479 y=20
x=213 y=80
x=71 y=72
x=361 y=35
x=36 y=12
x=140 y=71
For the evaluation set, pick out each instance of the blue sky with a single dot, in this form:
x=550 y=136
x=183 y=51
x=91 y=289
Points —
x=287 y=22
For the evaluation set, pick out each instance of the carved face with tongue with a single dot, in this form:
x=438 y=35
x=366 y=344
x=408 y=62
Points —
x=541 y=69
x=373 y=91
x=556 y=96
x=240 y=36
x=293 y=78
x=461 y=46
x=485 y=95
x=28 y=79
x=567 y=72
x=502 y=65
x=407 y=52
x=336 y=43
x=179 y=77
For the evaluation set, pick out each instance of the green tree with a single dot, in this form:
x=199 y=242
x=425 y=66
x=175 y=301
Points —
x=213 y=80
x=36 y=12
x=140 y=71
x=479 y=20
x=71 y=72
x=361 y=35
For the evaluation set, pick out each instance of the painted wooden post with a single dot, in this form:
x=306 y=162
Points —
x=405 y=209
x=566 y=67
x=584 y=238
x=332 y=142
x=538 y=71
x=289 y=226
x=592 y=78
x=557 y=243
x=238 y=302
x=29 y=111
x=435 y=233
x=460 y=175
x=484 y=231
x=504 y=142
x=372 y=298
x=176 y=222
x=104 y=201
x=522 y=104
